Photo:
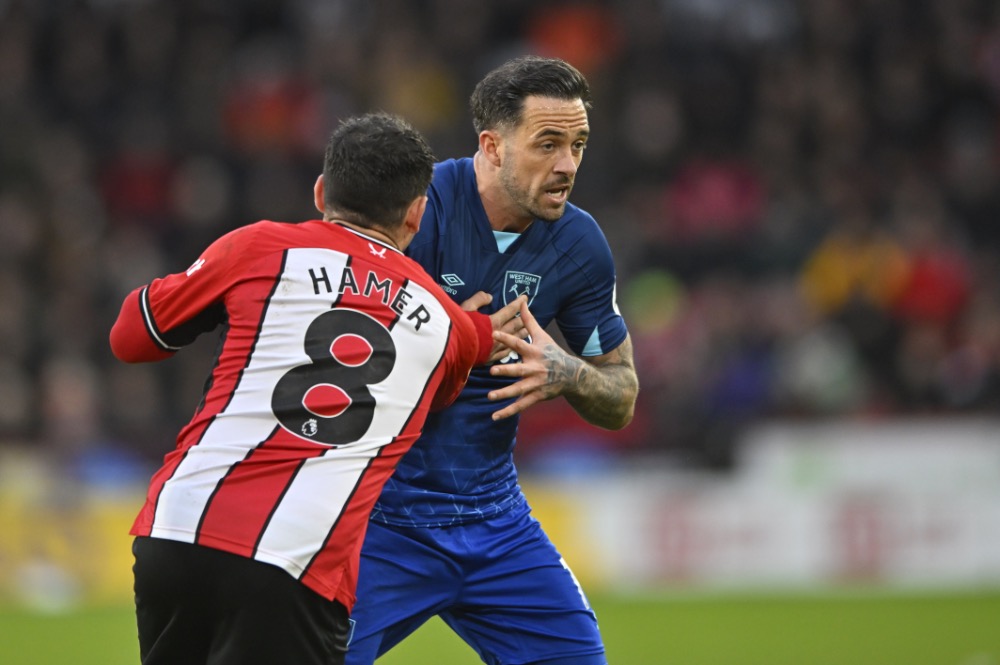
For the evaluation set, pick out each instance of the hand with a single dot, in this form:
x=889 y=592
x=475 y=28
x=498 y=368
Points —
x=545 y=370
x=506 y=319
x=478 y=300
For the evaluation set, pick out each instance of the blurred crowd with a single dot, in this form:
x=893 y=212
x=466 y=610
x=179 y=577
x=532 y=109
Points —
x=803 y=196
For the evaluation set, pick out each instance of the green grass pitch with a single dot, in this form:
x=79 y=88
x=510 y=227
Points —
x=699 y=629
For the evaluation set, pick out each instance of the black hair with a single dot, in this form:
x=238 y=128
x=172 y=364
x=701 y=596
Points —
x=498 y=99
x=375 y=166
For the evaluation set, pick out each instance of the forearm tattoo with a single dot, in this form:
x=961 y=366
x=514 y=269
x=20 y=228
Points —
x=564 y=370
x=602 y=392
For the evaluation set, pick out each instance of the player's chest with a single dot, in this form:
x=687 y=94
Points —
x=464 y=271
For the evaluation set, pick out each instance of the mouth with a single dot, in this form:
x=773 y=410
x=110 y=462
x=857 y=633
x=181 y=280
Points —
x=558 y=195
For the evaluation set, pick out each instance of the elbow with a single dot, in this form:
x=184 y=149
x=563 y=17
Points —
x=608 y=399
x=612 y=421
x=612 y=414
x=122 y=356
x=622 y=417
x=130 y=341
x=120 y=347
x=125 y=356
x=624 y=421
x=129 y=347
x=628 y=403
x=627 y=411
x=125 y=353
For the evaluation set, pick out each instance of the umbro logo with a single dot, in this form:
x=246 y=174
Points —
x=449 y=283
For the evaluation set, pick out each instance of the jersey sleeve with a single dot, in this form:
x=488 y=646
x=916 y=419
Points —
x=471 y=344
x=590 y=320
x=130 y=338
x=170 y=312
x=484 y=336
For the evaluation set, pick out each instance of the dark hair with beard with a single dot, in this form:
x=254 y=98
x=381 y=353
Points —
x=375 y=166
x=498 y=99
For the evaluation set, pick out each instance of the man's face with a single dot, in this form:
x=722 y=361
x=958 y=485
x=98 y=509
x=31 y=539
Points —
x=541 y=155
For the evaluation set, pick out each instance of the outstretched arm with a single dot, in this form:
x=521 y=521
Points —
x=602 y=389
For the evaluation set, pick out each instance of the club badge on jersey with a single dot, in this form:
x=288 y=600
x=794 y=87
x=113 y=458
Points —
x=517 y=283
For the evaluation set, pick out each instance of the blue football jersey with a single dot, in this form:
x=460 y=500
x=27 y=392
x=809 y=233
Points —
x=461 y=468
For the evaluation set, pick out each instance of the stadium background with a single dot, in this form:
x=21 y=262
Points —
x=803 y=202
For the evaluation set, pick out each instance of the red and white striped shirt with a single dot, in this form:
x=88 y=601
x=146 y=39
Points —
x=336 y=347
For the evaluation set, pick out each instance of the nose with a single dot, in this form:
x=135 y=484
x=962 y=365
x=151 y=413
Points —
x=567 y=163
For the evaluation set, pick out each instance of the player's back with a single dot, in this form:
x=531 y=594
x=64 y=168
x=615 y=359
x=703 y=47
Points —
x=279 y=312
x=334 y=351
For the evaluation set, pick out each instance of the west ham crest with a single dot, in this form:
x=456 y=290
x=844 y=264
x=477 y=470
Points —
x=518 y=283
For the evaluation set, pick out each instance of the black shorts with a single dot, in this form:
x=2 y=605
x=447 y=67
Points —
x=195 y=605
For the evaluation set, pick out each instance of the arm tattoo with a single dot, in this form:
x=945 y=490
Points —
x=603 y=391
x=564 y=369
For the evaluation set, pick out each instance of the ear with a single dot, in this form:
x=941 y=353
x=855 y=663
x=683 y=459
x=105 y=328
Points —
x=490 y=146
x=318 y=198
x=414 y=214
x=411 y=222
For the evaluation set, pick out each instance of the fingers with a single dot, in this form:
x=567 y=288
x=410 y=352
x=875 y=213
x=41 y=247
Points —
x=516 y=407
x=515 y=390
x=507 y=318
x=478 y=300
x=529 y=319
x=514 y=342
x=514 y=326
x=510 y=370
x=530 y=389
x=500 y=350
x=498 y=354
x=513 y=308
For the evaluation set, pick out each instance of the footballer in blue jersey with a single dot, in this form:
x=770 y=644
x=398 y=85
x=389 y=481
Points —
x=452 y=535
x=462 y=470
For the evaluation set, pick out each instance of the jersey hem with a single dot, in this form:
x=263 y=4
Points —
x=315 y=583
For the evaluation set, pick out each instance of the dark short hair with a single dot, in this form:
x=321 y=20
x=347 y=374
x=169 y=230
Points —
x=498 y=99
x=375 y=166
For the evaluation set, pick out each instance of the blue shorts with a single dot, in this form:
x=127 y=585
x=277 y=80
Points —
x=500 y=584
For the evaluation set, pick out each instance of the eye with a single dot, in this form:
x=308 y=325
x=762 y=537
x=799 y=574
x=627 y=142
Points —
x=548 y=146
x=579 y=146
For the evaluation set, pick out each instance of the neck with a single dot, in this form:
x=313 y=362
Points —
x=500 y=211
x=381 y=236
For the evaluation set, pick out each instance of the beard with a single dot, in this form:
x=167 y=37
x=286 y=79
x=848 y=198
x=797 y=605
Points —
x=524 y=199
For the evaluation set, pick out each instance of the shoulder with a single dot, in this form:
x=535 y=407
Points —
x=236 y=242
x=453 y=179
x=250 y=234
x=449 y=199
x=577 y=232
x=451 y=171
x=415 y=274
x=579 y=252
x=248 y=243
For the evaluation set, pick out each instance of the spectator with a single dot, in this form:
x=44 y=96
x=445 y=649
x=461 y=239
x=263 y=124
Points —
x=852 y=147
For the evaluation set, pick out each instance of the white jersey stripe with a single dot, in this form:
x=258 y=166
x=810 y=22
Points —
x=302 y=521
